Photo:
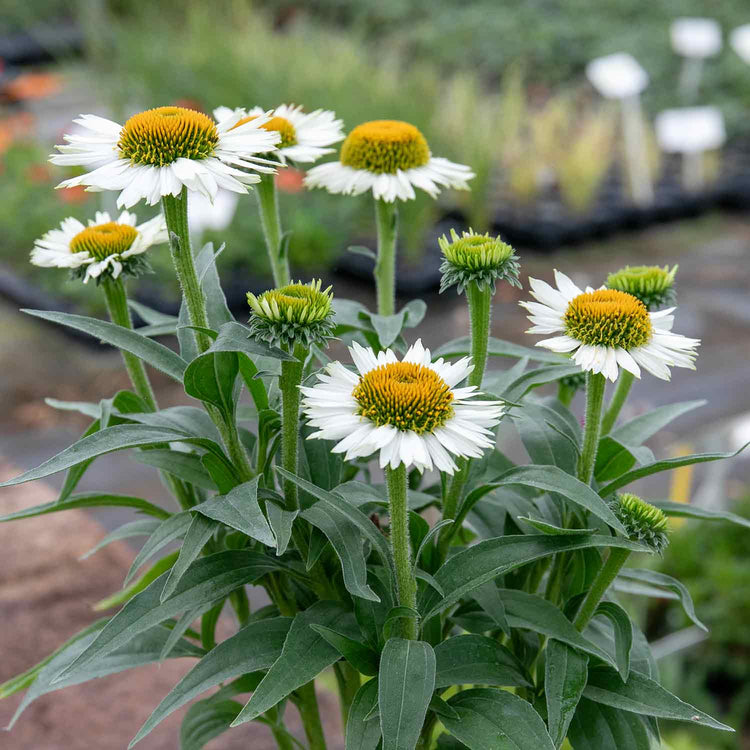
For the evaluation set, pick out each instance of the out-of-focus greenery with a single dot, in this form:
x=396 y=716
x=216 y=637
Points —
x=716 y=672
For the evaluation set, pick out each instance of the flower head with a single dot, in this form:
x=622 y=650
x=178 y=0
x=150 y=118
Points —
x=390 y=158
x=410 y=411
x=642 y=521
x=304 y=135
x=652 y=285
x=606 y=329
x=106 y=247
x=294 y=314
x=162 y=150
x=476 y=258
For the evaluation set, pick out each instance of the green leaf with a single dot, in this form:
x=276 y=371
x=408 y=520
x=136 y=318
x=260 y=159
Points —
x=206 y=720
x=207 y=580
x=461 y=347
x=543 y=433
x=535 y=378
x=144 y=527
x=665 y=465
x=477 y=660
x=361 y=733
x=486 y=560
x=173 y=528
x=565 y=675
x=405 y=684
x=304 y=656
x=388 y=327
x=548 y=528
x=185 y=466
x=371 y=615
x=128 y=592
x=235 y=337
x=684 y=510
x=642 y=695
x=216 y=304
x=182 y=626
x=488 y=598
x=281 y=522
x=149 y=315
x=240 y=510
x=640 y=429
x=143 y=649
x=662 y=581
x=595 y=727
x=89 y=500
x=155 y=354
x=623 y=631
x=496 y=719
x=257 y=646
x=347 y=542
x=102 y=442
x=615 y=458
x=360 y=656
x=200 y=531
x=210 y=377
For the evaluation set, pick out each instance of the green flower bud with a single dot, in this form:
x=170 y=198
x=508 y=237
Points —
x=652 y=285
x=643 y=522
x=294 y=314
x=476 y=258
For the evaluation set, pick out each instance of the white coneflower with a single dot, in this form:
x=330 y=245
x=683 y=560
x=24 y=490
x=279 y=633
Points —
x=606 y=329
x=160 y=151
x=104 y=247
x=391 y=158
x=305 y=136
x=409 y=410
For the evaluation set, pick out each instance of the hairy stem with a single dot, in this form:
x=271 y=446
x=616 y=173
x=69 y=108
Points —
x=592 y=429
x=607 y=573
x=386 y=215
x=401 y=545
x=619 y=397
x=268 y=203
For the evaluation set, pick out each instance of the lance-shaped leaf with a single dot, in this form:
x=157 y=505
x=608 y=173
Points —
x=565 y=675
x=547 y=437
x=257 y=646
x=144 y=649
x=406 y=682
x=683 y=510
x=595 y=727
x=207 y=580
x=211 y=377
x=359 y=655
x=185 y=466
x=144 y=527
x=496 y=719
x=363 y=733
x=200 y=531
x=240 y=510
x=486 y=560
x=623 y=633
x=173 y=528
x=155 y=354
x=640 y=429
x=478 y=660
x=642 y=695
x=206 y=720
x=304 y=656
x=498 y=348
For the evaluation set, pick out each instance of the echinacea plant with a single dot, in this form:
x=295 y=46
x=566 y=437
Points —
x=459 y=600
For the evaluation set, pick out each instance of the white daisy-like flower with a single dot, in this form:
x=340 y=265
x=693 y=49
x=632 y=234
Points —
x=410 y=410
x=105 y=245
x=162 y=150
x=305 y=136
x=391 y=158
x=605 y=329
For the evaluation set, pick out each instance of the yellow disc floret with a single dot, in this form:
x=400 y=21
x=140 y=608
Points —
x=385 y=146
x=608 y=317
x=406 y=396
x=279 y=124
x=103 y=240
x=160 y=136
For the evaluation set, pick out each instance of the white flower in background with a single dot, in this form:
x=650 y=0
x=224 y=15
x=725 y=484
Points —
x=606 y=329
x=740 y=41
x=617 y=76
x=409 y=410
x=305 y=136
x=216 y=215
x=695 y=37
x=690 y=129
x=104 y=246
x=162 y=150
x=391 y=158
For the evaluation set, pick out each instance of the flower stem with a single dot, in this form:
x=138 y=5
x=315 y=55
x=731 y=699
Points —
x=176 y=216
x=607 y=573
x=307 y=703
x=117 y=306
x=480 y=312
x=289 y=382
x=268 y=203
x=595 y=384
x=386 y=215
x=618 y=400
x=401 y=545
